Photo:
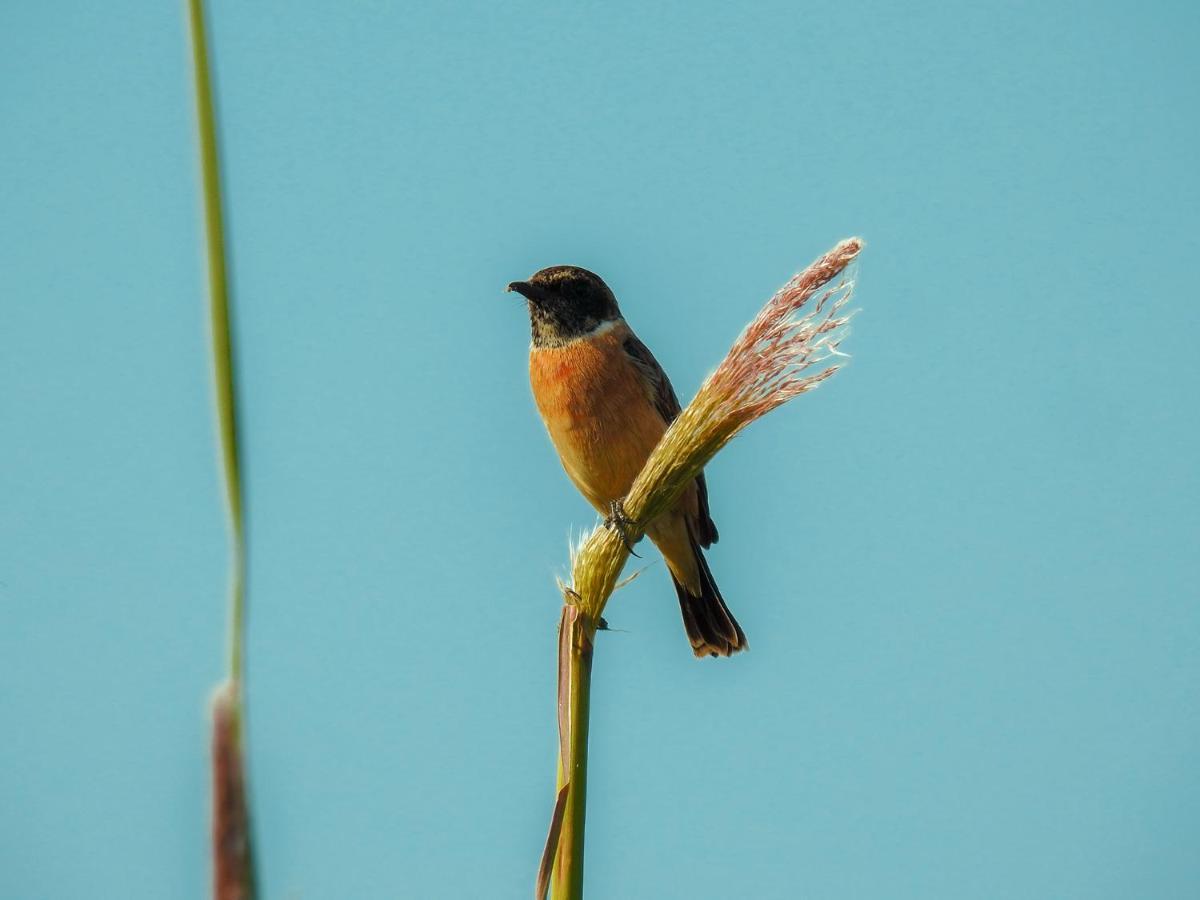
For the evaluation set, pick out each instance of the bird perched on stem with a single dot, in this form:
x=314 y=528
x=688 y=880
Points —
x=606 y=402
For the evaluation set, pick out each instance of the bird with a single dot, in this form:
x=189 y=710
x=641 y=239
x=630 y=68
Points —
x=606 y=402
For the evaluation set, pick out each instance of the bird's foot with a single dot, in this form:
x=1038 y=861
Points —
x=619 y=522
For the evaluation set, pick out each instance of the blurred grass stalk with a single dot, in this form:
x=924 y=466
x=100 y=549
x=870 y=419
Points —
x=233 y=860
x=770 y=363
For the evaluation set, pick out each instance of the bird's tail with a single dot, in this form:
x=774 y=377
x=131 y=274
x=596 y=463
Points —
x=710 y=625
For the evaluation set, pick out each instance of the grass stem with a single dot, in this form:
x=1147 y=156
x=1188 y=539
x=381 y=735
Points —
x=575 y=687
x=233 y=860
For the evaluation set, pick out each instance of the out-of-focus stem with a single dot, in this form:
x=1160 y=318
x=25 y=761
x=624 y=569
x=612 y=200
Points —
x=233 y=862
x=233 y=859
x=222 y=332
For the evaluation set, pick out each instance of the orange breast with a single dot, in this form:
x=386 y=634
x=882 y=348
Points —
x=598 y=411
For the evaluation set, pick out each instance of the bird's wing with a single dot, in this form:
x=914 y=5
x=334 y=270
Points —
x=658 y=386
x=657 y=383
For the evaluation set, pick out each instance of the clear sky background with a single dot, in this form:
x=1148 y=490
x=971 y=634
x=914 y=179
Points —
x=968 y=565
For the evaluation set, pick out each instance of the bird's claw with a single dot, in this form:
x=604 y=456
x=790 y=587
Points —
x=616 y=520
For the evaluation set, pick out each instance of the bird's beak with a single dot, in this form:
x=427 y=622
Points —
x=524 y=288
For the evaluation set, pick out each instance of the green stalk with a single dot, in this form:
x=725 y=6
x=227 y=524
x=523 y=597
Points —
x=233 y=860
x=222 y=341
x=575 y=686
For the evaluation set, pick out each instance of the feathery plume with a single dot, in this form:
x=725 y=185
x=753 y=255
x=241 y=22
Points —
x=784 y=352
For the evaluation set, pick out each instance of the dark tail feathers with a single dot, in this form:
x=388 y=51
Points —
x=710 y=625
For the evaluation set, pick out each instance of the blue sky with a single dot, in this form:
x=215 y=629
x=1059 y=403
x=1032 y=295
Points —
x=967 y=566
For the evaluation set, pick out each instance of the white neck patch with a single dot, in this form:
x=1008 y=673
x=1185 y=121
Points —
x=602 y=329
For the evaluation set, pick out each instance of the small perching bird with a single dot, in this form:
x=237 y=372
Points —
x=606 y=403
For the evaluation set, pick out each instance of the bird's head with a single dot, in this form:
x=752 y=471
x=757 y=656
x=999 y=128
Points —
x=566 y=302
